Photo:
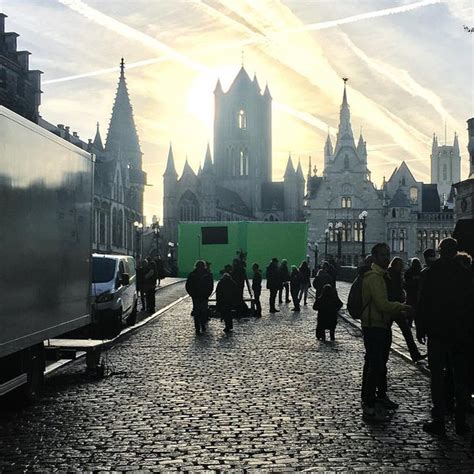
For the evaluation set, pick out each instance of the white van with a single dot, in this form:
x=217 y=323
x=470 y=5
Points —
x=114 y=289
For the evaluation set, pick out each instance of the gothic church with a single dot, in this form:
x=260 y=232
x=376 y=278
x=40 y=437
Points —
x=237 y=184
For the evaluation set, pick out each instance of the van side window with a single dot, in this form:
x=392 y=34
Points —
x=121 y=269
x=131 y=266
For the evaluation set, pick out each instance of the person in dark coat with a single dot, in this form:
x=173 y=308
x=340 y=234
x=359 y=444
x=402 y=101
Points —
x=149 y=285
x=141 y=269
x=323 y=277
x=273 y=283
x=445 y=319
x=305 y=273
x=412 y=284
x=295 y=286
x=238 y=275
x=396 y=293
x=257 y=288
x=285 y=279
x=327 y=304
x=226 y=300
x=160 y=269
x=199 y=286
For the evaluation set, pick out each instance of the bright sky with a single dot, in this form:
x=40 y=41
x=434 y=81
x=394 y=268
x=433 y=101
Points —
x=410 y=67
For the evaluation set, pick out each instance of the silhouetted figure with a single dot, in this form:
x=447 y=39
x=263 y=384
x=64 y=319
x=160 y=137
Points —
x=238 y=275
x=257 y=288
x=445 y=318
x=323 y=277
x=160 y=269
x=273 y=283
x=412 y=284
x=285 y=279
x=199 y=286
x=327 y=304
x=396 y=293
x=305 y=274
x=295 y=286
x=149 y=285
x=141 y=269
x=226 y=299
x=376 y=321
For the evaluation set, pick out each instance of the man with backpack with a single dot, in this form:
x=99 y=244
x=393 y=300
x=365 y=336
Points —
x=376 y=313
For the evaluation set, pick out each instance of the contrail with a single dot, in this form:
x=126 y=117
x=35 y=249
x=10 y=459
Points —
x=121 y=28
x=99 y=72
x=362 y=16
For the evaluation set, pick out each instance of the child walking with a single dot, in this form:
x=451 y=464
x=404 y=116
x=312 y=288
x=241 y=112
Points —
x=327 y=305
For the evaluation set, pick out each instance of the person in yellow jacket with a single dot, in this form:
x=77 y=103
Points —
x=377 y=318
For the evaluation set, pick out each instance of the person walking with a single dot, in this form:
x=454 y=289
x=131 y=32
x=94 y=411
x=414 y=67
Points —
x=257 y=288
x=149 y=285
x=327 y=304
x=226 y=300
x=141 y=270
x=285 y=279
x=445 y=320
x=199 y=286
x=396 y=293
x=295 y=286
x=412 y=284
x=377 y=316
x=273 y=283
x=322 y=278
x=305 y=274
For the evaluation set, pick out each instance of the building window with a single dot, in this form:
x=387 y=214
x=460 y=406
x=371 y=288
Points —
x=414 y=195
x=419 y=240
x=188 y=207
x=346 y=162
x=346 y=202
x=394 y=213
x=404 y=183
x=445 y=172
x=243 y=164
x=348 y=232
x=402 y=240
x=394 y=240
x=120 y=229
x=242 y=120
x=357 y=231
x=343 y=203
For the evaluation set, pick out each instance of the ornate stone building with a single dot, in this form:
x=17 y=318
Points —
x=237 y=185
x=405 y=213
x=20 y=87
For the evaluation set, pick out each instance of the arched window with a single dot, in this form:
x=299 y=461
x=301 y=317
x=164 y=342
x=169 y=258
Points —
x=188 y=207
x=242 y=120
x=394 y=213
x=404 y=181
x=343 y=202
x=420 y=241
x=425 y=239
x=243 y=163
x=436 y=239
x=414 y=195
x=402 y=240
x=342 y=230
x=346 y=162
x=114 y=226
x=394 y=240
x=357 y=231
x=445 y=172
x=120 y=229
x=349 y=202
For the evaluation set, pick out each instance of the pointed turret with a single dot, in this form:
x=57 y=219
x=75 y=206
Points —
x=362 y=148
x=470 y=146
x=328 y=150
x=218 y=88
x=299 y=172
x=266 y=93
x=122 y=139
x=434 y=145
x=345 y=136
x=255 y=83
x=170 y=170
x=187 y=170
x=290 y=170
x=97 y=143
x=208 y=167
x=242 y=80
x=310 y=170
x=456 y=150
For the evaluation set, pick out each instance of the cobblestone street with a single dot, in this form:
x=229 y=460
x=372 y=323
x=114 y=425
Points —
x=267 y=397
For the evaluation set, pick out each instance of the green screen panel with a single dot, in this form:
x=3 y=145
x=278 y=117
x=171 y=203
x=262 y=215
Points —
x=261 y=240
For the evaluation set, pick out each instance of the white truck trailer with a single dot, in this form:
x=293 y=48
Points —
x=46 y=188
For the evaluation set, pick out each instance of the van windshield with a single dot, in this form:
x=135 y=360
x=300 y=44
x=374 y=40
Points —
x=103 y=269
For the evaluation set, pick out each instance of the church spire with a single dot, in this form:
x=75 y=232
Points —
x=122 y=138
x=208 y=166
x=345 y=136
x=328 y=149
x=290 y=170
x=97 y=144
x=170 y=170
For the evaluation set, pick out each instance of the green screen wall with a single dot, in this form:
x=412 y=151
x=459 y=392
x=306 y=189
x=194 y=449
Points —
x=261 y=241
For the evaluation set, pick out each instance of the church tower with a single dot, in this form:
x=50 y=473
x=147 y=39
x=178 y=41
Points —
x=242 y=138
x=445 y=165
x=170 y=182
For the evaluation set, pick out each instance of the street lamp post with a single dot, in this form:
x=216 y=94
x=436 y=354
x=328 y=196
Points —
x=339 y=237
x=155 y=226
x=138 y=235
x=363 y=221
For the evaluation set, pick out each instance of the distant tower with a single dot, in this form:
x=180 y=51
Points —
x=208 y=188
x=170 y=182
x=470 y=146
x=445 y=165
x=242 y=138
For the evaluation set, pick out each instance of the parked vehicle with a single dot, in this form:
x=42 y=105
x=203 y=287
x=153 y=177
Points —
x=46 y=190
x=114 y=292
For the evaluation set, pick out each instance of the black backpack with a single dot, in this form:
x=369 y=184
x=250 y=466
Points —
x=355 y=306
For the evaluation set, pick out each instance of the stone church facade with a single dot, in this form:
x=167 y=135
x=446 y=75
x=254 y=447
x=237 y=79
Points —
x=407 y=214
x=237 y=184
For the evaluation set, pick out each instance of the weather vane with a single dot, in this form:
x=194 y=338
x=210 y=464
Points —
x=345 y=79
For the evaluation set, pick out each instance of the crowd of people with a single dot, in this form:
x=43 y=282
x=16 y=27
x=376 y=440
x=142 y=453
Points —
x=437 y=299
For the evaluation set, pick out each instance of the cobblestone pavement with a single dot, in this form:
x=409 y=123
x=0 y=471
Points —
x=268 y=397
